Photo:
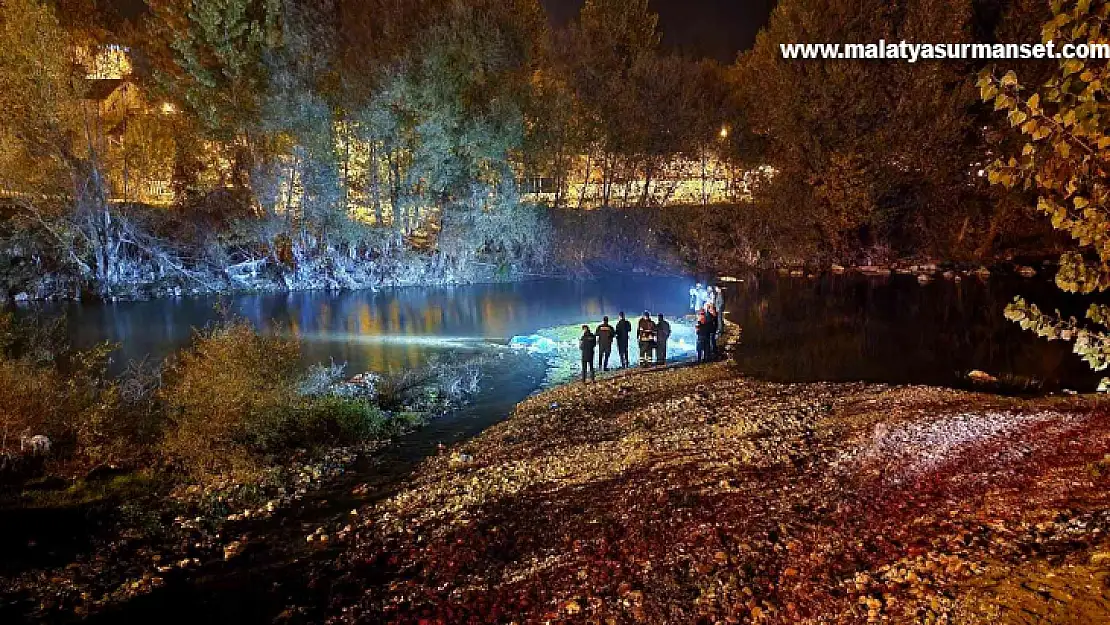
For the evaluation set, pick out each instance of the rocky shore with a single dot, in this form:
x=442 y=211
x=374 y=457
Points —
x=696 y=495
x=927 y=271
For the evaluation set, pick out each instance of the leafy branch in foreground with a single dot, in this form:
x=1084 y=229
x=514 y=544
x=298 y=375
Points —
x=1065 y=159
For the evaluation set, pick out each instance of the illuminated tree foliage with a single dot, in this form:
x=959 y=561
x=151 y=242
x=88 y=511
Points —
x=307 y=141
x=213 y=57
x=291 y=142
x=49 y=147
x=1065 y=161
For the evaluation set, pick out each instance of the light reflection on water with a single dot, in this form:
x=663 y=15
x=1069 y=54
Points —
x=833 y=328
x=380 y=331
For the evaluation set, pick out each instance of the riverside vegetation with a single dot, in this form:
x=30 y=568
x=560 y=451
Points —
x=230 y=404
x=160 y=458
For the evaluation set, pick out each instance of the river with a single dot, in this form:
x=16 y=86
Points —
x=846 y=327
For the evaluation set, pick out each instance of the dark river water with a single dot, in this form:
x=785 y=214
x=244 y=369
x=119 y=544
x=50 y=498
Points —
x=895 y=330
x=845 y=327
x=393 y=329
x=384 y=330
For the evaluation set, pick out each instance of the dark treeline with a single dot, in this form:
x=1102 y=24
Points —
x=885 y=159
x=186 y=145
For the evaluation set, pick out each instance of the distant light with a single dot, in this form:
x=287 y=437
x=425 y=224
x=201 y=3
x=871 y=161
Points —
x=724 y=133
x=168 y=108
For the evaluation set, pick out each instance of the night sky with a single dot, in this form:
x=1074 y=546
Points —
x=699 y=28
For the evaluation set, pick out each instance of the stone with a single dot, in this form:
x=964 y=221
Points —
x=981 y=377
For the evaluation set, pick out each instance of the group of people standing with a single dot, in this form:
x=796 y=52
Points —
x=707 y=303
x=652 y=335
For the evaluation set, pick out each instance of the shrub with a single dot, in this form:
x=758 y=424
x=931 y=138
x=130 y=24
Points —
x=48 y=389
x=236 y=400
x=320 y=379
x=440 y=382
x=231 y=400
x=351 y=419
x=28 y=394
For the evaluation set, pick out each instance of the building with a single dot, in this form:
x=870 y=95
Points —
x=591 y=183
x=116 y=111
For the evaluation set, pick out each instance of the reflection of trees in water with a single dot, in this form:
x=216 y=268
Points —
x=331 y=324
x=893 y=330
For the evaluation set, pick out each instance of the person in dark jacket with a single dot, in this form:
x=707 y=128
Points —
x=645 y=334
x=662 y=333
x=704 y=331
x=712 y=319
x=605 y=334
x=624 y=328
x=586 y=345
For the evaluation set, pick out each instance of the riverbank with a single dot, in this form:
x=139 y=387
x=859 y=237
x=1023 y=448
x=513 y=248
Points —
x=80 y=538
x=689 y=494
x=265 y=276
x=697 y=495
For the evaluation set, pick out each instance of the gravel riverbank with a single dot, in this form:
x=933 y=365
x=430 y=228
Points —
x=697 y=495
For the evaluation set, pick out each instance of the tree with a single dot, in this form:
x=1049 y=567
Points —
x=1066 y=160
x=43 y=126
x=884 y=149
x=608 y=41
x=50 y=150
x=209 y=56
